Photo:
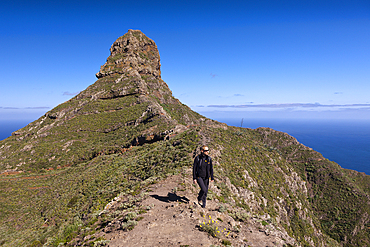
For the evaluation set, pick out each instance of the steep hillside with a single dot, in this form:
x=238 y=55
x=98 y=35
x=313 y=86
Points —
x=112 y=166
x=128 y=105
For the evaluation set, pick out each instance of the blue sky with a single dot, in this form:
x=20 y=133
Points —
x=250 y=59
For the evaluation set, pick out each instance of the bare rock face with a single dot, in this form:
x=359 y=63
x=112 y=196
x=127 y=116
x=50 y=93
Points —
x=133 y=68
x=133 y=52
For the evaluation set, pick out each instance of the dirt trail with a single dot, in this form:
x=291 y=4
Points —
x=170 y=222
x=174 y=220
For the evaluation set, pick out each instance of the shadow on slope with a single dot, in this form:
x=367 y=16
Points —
x=171 y=197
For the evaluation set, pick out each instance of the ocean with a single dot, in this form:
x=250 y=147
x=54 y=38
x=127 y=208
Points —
x=345 y=142
x=7 y=127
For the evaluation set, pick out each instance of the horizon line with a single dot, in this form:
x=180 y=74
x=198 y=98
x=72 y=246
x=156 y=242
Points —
x=288 y=105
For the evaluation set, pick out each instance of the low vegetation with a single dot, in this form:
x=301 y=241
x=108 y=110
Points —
x=127 y=131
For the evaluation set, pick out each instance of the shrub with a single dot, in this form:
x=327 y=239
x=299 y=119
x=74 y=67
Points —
x=225 y=242
x=129 y=225
x=130 y=216
x=101 y=242
x=213 y=228
x=222 y=208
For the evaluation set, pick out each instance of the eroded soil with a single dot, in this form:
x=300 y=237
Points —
x=175 y=218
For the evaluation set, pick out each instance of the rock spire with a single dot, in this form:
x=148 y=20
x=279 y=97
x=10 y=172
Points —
x=129 y=105
x=132 y=53
x=133 y=67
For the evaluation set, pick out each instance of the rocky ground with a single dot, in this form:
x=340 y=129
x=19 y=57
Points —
x=175 y=219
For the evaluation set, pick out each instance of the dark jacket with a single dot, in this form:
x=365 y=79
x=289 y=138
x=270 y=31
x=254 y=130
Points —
x=203 y=167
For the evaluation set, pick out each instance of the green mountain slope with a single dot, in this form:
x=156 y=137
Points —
x=128 y=105
x=126 y=132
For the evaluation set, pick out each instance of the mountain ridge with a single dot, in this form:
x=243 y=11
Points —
x=129 y=91
x=87 y=167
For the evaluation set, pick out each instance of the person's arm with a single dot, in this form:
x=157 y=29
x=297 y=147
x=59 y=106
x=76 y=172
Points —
x=211 y=170
x=195 y=170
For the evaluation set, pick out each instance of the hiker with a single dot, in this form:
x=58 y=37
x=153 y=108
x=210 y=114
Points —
x=202 y=171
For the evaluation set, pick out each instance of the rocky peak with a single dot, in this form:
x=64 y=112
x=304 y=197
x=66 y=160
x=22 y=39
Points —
x=129 y=105
x=132 y=52
x=133 y=67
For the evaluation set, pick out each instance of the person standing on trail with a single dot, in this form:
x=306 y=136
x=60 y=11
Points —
x=202 y=171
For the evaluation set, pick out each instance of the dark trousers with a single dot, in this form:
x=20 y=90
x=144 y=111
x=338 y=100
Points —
x=203 y=183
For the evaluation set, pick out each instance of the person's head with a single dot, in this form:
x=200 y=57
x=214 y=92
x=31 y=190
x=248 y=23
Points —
x=204 y=150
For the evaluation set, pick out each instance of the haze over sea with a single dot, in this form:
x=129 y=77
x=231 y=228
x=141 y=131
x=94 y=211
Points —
x=345 y=142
